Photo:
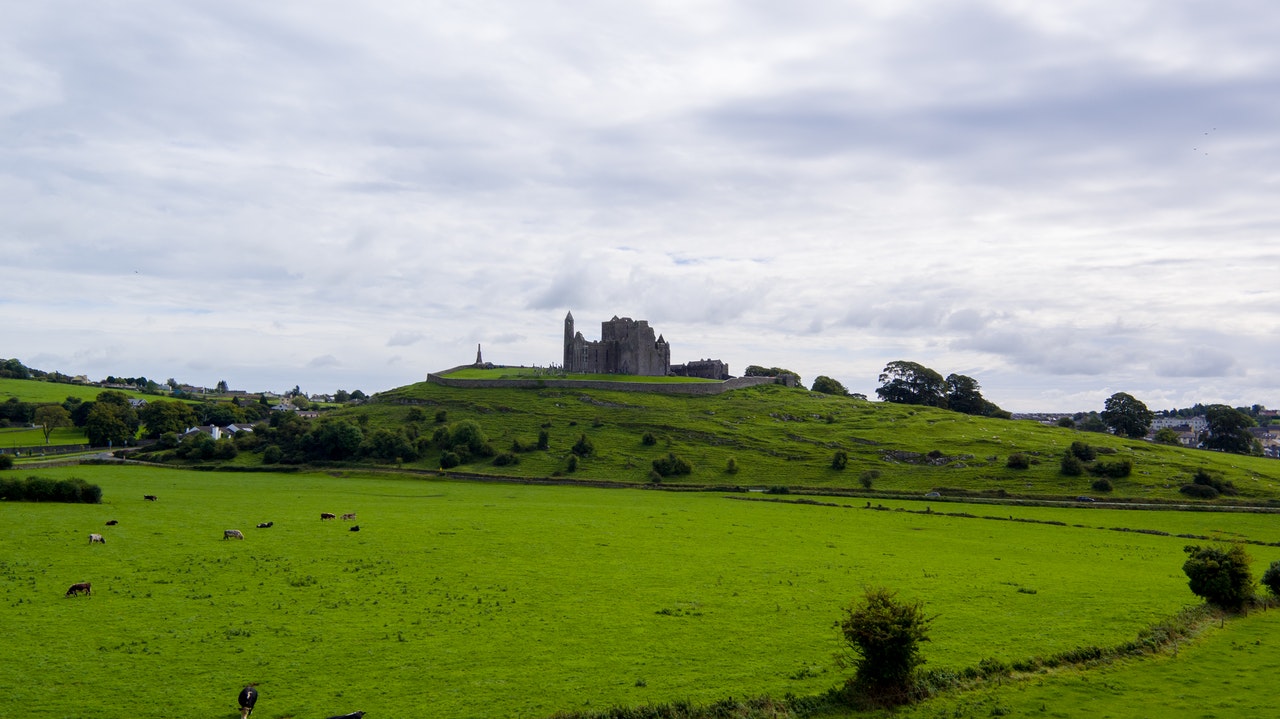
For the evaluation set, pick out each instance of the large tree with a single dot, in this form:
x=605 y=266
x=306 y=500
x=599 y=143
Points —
x=911 y=383
x=161 y=416
x=1126 y=415
x=51 y=416
x=827 y=385
x=1219 y=575
x=109 y=423
x=1228 y=429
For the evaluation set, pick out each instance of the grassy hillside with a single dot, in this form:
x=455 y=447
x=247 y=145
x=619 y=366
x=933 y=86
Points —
x=498 y=600
x=40 y=392
x=788 y=436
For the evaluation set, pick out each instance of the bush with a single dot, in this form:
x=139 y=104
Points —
x=648 y=439
x=583 y=447
x=42 y=489
x=839 y=459
x=883 y=636
x=1071 y=465
x=778 y=489
x=1102 y=485
x=868 y=478
x=671 y=465
x=505 y=459
x=1203 y=478
x=1018 y=460
x=573 y=463
x=6 y=461
x=1199 y=491
x=1117 y=469
x=442 y=416
x=544 y=440
x=731 y=466
x=1271 y=578
x=1083 y=451
x=272 y=455
x=449 y=460
x=1220 y=576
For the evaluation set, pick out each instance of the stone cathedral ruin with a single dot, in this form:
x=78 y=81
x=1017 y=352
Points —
x=628 y=346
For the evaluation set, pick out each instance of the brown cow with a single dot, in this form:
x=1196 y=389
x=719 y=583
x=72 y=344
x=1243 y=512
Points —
x=75 y=589
x=349 y=515
x=96 y=538
x=328 y=515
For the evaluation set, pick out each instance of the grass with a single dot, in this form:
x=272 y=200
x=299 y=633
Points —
x=486 y=600
x=788 y=436
x=34 y=437
x=41 y=392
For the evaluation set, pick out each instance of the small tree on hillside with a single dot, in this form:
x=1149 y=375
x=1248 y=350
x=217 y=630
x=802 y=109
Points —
x=883 y=637
x=1271 y=578
x=1220 y=576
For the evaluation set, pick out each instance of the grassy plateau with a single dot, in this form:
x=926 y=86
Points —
x=467 y=599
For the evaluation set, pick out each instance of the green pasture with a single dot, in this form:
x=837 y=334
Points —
x=505 y=600
x=787 y=436
x=1226 y=672
x=40 y=392
x=11 y=437
x=536 y=373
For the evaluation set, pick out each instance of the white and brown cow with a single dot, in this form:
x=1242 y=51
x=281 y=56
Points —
x=349 y=515
x=96 y=539
x=328 y=515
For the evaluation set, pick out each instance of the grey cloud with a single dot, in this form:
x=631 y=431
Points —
x=323 y=361
x=405 y=338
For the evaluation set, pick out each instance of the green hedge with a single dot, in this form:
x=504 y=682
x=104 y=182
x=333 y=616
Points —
x=42 y=489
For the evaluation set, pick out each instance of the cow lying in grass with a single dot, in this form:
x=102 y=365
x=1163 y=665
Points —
x=75 y=589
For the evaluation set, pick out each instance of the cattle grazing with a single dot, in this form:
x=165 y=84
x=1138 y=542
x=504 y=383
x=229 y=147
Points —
x=232 y=534
x=112 y=522
x=149 y=497
x=80 y=587
x=352 y=715
x=354 y=528
x=328 y=515
x=248 y=697
x=96 y=538
x=264 y=525
x=349 y=515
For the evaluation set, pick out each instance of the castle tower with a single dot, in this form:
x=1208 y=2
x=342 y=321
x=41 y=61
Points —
x=479 y=359
x=568 y=342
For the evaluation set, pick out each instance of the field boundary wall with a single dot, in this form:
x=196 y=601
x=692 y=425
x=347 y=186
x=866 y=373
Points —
x=689 y=388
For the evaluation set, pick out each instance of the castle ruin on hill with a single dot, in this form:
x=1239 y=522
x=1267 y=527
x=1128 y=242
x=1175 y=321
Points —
x=628 y=346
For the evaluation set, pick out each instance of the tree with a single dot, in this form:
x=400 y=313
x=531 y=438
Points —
x=827 y=385
x=1167 y=435
x=965 y=395
x=336 y=439
x=1126 y=415
x=911 y=383
x=1271 y=578
x=51 y=416
x=110 y=424
x=341 y=396
x=883 y=636
x=1220 y=576
x=163 y=416
x=583 y=447
x=840 y=459
x=222 y=386
x=1228 y=429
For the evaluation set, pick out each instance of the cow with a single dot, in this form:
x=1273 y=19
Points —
x=264 y=525
x=352 y=715
x=328 y=515
x=149 y=497
x=349 y=515
x=232 y=534
x=354 y=528
x=112 y=522
x=248 y=697
x=96 y=538
x=75 y=589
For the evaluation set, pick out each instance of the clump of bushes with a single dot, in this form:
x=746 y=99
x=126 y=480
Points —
x=1083 y=452
x=505 y=459
x=6 y=461
x=731 y=466
x=778 y=489
x=1102 y=485
x=42 y=489
x=1116 y=469
x=840 y=459
x=671 y=465
x=583 y=447
x=544 y=439
x=1071 y=465
x=1220 y=576
x=1205 y=485
x=868 y=478
x=648 y=439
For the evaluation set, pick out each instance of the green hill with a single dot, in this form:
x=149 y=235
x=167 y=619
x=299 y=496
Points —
x=781 y=437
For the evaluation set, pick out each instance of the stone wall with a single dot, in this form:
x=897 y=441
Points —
x=689 y=388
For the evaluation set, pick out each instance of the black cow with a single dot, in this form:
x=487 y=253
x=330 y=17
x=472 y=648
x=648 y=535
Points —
x=248 y=697
x=352 y=715
x=354 y=528
x=264 y=525
x=75 y=589
x=112 y=522
x=149 y=497
x=328 y=515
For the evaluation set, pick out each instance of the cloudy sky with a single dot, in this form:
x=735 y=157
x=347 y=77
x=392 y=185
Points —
x=1062 y=200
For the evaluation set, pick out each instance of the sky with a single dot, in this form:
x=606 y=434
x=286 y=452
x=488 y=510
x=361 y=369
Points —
x=1060 y=200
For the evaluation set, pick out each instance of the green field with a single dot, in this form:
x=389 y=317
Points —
x=39 y=392
x=502 y=600
x=541 y=374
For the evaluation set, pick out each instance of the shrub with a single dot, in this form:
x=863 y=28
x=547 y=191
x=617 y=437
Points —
x=544 y=439
x=1117 y=469
x=441 y=416
x=731 y=466
x=415 y=414
x=505 y=459
x=272 y=454
x=1271 y=578
x=573 y=463
x=1083 y=451
x=6 y=461
x=778 y=489
x=583 y=447
x=1220 y=576
x=868 y=478
x=839 y=459
x=883 y=636
x=1204 y=478
x=671 y=465
x=1071 y=465
x=1102 y=485
x=1199 y=491
x=449 y=460
x=1018 y=460
x=648 y=439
